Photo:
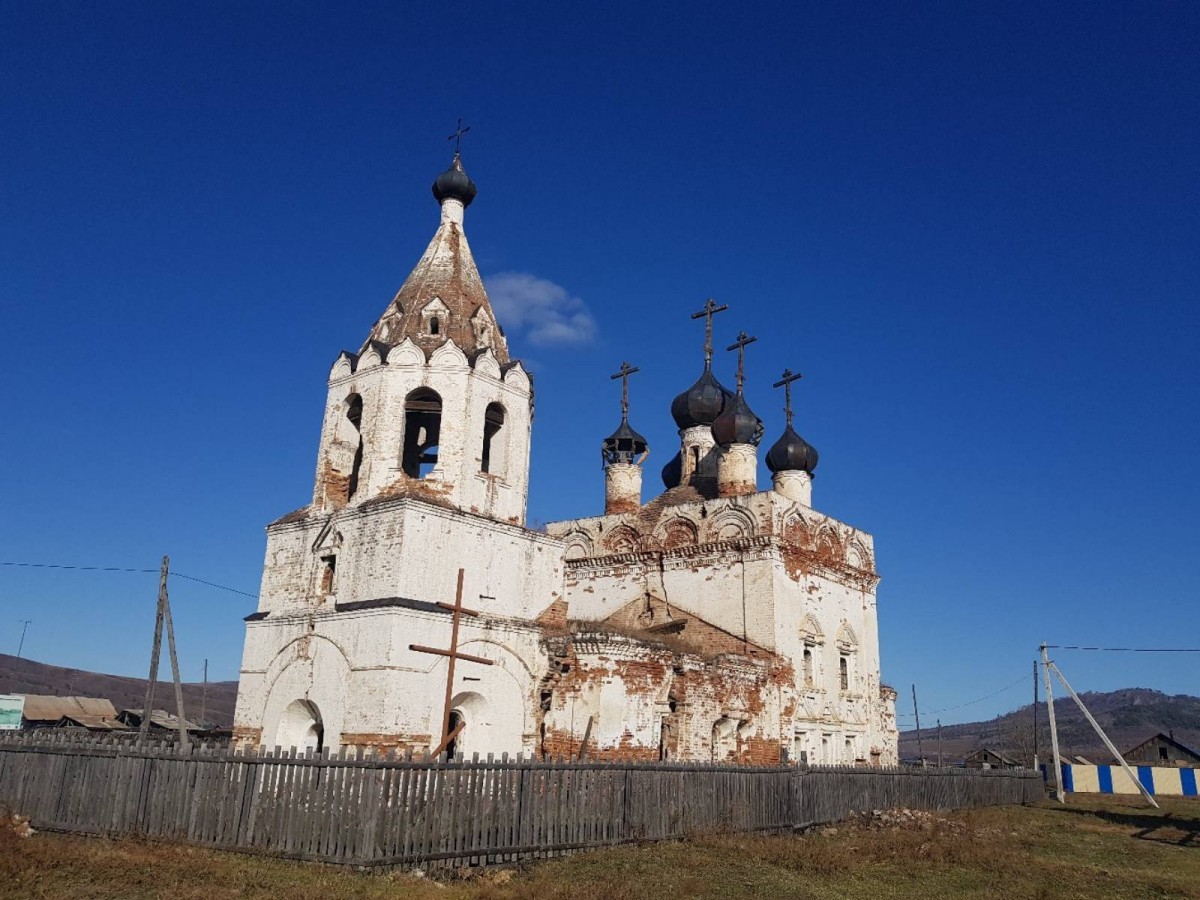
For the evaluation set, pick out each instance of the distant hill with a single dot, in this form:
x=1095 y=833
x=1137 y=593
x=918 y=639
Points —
x=24 y=676
x=1128 y=716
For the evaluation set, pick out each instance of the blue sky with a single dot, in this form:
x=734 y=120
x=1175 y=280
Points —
x=973 y=227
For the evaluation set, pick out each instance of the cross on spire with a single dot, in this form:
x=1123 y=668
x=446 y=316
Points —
x=624 y=373
x=710 y=309
x=785 y=382
x=457 y=136
x=743 y=341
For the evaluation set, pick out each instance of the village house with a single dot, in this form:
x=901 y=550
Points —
x=714 y=622
x=1162 y=750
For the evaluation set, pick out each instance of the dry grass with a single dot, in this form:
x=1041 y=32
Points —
x=1096 y=848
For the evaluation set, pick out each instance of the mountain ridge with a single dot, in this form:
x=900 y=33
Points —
x=27 y=676
x=1127 y=715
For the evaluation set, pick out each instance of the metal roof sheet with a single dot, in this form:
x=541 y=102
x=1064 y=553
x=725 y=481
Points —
x=46 y=708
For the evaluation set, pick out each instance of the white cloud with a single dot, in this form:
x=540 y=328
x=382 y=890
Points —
x=544 y=312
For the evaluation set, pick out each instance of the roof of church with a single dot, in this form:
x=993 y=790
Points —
x=447 y=273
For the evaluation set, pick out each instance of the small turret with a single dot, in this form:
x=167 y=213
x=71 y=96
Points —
x=792 y=459
x=737 y=431
x=623 y=453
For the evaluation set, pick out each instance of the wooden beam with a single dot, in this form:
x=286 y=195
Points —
x=455 y=655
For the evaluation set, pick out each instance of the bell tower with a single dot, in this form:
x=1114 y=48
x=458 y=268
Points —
x=431 y=406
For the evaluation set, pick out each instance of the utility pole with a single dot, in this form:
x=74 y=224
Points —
x=939 y=726
x=1104 y=737
x=1035 y=721
x=24 y=627
x=1058 y=786
x=917 y=714
x=204 y=696
x=163 y=614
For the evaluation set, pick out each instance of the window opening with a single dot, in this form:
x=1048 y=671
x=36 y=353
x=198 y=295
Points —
x=328 y=574
x=434 y=325
x=492 y=456
x=844 y=671
x=1162 y=753
x=808 y=666
x=354 y=416
x=422 y=425
x=695 y=459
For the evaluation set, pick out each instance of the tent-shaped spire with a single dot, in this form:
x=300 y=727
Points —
x=443 y=297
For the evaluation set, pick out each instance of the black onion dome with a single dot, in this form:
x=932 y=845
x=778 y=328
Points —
x=701 y=403
x=455 y=184
x=624 y=445
x=792 y=453
x=737 y=424
x=672 y=473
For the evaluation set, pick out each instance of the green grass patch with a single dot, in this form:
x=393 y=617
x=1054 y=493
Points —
x=1094 y=849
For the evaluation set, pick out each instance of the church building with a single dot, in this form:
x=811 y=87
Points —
x=408 y=605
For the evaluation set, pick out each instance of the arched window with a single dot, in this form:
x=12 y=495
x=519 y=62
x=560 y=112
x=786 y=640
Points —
x=808 y=666
x=492 y=459
x=354 y=408
x=844 y=671
x=434 y=325
x=422 y=425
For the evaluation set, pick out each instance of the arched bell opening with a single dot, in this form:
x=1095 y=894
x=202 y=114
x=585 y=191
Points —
x=422 y=428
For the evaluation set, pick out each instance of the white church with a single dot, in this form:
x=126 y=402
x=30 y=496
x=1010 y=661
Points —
x=713 y=622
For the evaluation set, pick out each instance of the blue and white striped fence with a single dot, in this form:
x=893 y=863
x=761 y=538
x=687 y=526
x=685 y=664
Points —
x=1157 y=780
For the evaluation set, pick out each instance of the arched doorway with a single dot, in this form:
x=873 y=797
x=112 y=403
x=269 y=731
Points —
x=456 y=719
x=300 y=726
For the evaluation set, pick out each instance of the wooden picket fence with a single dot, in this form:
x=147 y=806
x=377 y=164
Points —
x=405 y=810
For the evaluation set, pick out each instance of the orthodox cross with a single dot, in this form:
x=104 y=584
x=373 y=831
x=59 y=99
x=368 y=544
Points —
x=452 y=654
x=457 y=136
x=623 y=374
x=785 y=382
x=743 y=341
x=710 y=310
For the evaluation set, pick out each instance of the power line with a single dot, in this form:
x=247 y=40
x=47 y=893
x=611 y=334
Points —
x=214 y=584
x=934 y=712
x=1127 y=649
x=28 y=565
x=1020 y=680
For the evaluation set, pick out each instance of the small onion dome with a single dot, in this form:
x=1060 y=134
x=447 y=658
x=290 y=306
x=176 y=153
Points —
x=455 y=184
x=792 y=453
x=701 y=403
x=624 y=446
x=737 y=424
x=672 y=473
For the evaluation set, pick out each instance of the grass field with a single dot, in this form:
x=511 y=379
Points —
x=1095 y=848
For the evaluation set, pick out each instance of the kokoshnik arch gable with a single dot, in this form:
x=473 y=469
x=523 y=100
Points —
x=715 y=622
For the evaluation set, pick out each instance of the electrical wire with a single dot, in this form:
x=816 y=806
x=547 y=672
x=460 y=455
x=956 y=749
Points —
x=27 y=565
x=934 y=712
x=1127 y=649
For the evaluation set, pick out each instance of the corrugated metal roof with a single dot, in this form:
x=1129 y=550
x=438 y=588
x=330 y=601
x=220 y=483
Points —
x=45 y=708
x=159 y=718
x=92 y=723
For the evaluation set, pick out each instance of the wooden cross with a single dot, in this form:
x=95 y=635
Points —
x=785 y=382
x=453 y=654
x=623 y=374
x=710 y=310
x=457 y=136
x=743 y=341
